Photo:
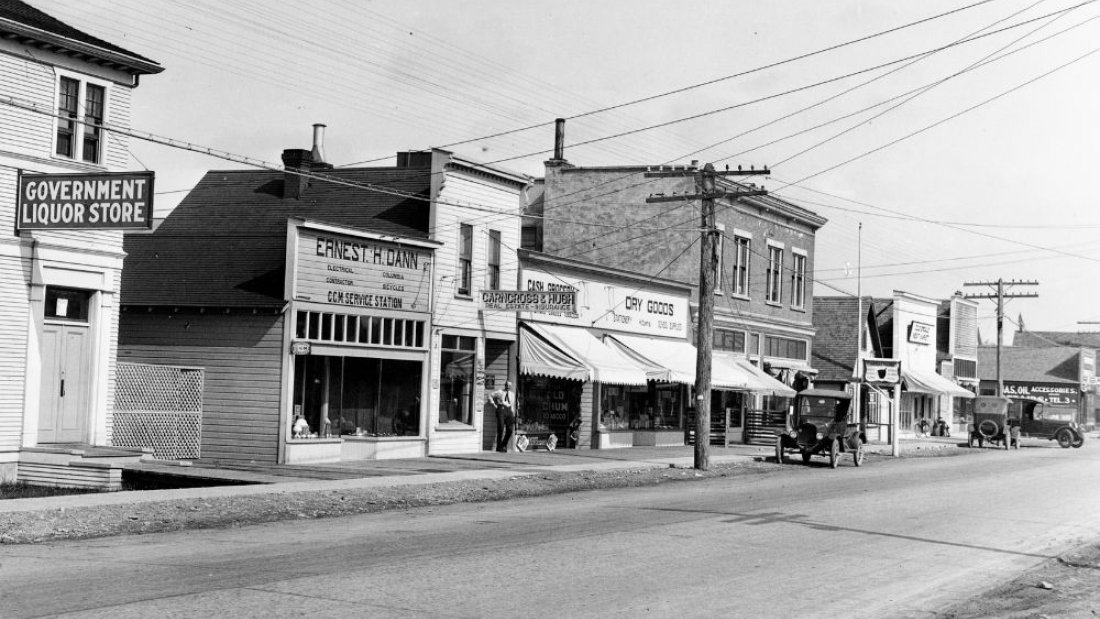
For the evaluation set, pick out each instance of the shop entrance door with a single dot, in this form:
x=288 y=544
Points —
x=64 y=402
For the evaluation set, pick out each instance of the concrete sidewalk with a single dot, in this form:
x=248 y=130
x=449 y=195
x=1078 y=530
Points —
x=254 y=479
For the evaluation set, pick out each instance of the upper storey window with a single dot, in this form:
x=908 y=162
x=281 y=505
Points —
x=81 y=109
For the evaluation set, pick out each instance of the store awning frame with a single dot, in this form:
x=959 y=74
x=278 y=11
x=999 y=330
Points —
x=918 y=381
x=600 y=363
x=537 y=357
x=663 y=359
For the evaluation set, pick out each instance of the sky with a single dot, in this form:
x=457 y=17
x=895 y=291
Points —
x=942 y=149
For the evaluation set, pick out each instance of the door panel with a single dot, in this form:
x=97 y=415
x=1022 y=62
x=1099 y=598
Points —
x=65 y=404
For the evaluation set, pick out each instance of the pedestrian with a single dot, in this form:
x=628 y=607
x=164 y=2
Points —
x=504 y=401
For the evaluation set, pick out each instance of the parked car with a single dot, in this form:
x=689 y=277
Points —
x=1003 y=421
x=819 y=424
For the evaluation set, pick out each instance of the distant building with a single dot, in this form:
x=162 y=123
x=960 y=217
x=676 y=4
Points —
x=1055 y=366
x=59 y=287
x=906 y=328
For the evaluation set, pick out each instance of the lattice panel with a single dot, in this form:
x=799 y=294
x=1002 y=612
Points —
x=159 y=407
x=171 y=436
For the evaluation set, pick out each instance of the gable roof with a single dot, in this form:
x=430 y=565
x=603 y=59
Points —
x=225 y=244
x=1046 y=339
x=835 y=345
x=22 y=21
x=1034 y=365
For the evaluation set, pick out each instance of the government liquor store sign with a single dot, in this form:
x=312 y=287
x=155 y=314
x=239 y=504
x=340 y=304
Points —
x=104 y=201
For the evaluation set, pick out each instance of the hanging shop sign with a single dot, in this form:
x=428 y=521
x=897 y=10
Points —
x=366 y=271
x=607 y=305
x=920 y=332
x=881 y=371
x=1087 y=369
x=103 y=201
x=564 y=301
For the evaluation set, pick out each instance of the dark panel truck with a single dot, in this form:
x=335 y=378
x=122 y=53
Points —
x=1002 y=421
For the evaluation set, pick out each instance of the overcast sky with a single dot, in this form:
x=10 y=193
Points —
x=988 y=174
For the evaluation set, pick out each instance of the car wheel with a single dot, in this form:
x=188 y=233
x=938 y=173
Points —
x=857 y=455
x=806 y=453
x=779 y=450
x=1078 y=441
x=1065 y=439
x=834 y=453
x=988 y=428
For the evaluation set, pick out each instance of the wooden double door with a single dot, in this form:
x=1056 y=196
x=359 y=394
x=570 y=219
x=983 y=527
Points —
x=65 y=397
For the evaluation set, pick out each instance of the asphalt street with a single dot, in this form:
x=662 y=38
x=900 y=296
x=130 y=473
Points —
x=893 y=538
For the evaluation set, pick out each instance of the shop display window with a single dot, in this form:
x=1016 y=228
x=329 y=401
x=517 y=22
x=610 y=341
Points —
x=654 y=407
x=352 y=396
x=352 y=329
x=728 y=402
x=549 y=406
x=456 y=379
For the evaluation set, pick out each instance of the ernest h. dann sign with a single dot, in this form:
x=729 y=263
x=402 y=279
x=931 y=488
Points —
x=106 y=201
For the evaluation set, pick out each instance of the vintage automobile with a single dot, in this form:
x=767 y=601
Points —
x=818 y=424
x=1003 y=421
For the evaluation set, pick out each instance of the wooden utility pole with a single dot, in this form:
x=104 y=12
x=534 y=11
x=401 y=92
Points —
x=706 y=192
x=1000 y=295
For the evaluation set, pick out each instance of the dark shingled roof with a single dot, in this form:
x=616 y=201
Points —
x=1032 y=365
x=225 y=244
x=25 y=14
x=1046 y=339
x=834 y=349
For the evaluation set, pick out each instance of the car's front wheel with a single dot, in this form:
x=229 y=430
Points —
x=806 y=453
x=779 y=449
x=834 y=453
x=1078 y=441
x=857 y=454
x=1064 y=438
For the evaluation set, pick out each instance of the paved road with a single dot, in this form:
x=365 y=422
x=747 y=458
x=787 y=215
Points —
x=894 y=538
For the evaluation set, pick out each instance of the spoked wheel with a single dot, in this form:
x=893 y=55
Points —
x=779 y=449
x=1064 y=438
x=1080 y=440
x=806 y=456
x=857 y=455
x=834 y=453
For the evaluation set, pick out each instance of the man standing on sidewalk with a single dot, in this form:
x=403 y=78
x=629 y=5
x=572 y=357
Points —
x=504 y=401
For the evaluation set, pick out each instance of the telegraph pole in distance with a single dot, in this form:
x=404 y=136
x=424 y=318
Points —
x=1000 y=295
x=706 y=192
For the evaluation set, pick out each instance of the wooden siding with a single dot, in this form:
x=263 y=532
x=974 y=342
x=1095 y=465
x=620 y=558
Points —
x=14 y=275
x=25 y=131
x=242 y=356
x=504 y=203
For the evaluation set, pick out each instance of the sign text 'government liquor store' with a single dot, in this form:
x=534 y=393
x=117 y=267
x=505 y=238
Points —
x=530 y=301
x=107 y=201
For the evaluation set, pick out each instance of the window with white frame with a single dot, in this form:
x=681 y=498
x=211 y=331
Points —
x=798 y=279
x=739 y=276
x=494 y=260
x=774 y=292
x=81 y=109
x=465 y=258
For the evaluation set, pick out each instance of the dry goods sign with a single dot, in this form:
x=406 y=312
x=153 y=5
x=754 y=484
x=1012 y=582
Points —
x=107 y=201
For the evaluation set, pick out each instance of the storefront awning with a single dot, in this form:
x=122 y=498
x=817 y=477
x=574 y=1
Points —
x=930 y=382
x=537 y=357
x=601 y=363
x=765 y=383
x=665 y=360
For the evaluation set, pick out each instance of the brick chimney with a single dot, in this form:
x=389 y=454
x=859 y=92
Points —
x=294 y=185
